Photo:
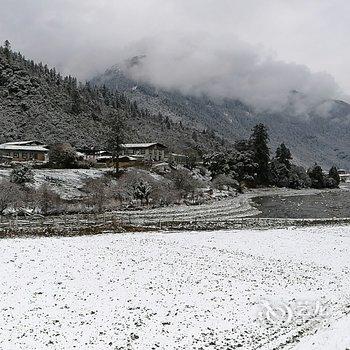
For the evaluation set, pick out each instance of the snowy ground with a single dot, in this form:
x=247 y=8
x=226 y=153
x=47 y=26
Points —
x=189 y=290
x=66 y=182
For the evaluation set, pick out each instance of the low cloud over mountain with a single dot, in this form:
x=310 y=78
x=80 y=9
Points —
x=220 y=48
x=225 y=67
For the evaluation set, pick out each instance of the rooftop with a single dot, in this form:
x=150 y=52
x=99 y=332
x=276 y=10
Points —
x=142 y=145
x=25 y=143
x=28 y=146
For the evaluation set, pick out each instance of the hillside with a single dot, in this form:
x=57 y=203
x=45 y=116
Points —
x=38 y=103
x=320 y=136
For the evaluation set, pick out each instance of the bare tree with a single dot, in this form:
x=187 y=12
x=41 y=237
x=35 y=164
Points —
x=10 y=194
x=98 y=193
x=48 y=200
x=115 y=136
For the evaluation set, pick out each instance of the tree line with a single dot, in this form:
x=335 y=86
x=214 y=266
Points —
x=250 y=164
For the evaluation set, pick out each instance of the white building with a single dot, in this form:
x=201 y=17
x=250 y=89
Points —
x=147 y=151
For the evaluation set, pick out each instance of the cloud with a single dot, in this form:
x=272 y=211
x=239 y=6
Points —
x=225 y=67
x=217 y=47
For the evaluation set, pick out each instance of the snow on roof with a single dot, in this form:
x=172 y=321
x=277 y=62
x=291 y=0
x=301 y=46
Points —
x=23 y=143
x=179 y=155
x=103 y=157
x=21 y=147
x=142 y=145
x=120 y=158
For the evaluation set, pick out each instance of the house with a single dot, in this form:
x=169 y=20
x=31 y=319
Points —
x=178 y=158
x=24 y=151
x=344 y=175
x=145 y=151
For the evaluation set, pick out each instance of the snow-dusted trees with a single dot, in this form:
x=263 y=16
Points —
x=283 y=155
x=282 y=173
x=321 y=180
x=142 y=190
x=22 y=174
x=7 y=49
x=333 y=173
x=184 y=182
x=249 y=163
x=10 y=194
x=226 y=183
x=259 y=145
x=63 y=155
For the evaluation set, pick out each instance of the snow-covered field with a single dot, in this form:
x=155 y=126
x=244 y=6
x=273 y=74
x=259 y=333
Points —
x=66 y=182
x=189 y=290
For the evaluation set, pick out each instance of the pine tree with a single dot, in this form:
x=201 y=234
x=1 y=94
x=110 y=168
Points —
x=316 y=176
x=333 y=173
x=259 y=143
x=283 y=155
x=167 y=122
x=195 y=136
x=76 y=102
x=7 y=49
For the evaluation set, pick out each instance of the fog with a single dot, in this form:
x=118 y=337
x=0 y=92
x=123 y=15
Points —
x=224 y=67
x=260 y=52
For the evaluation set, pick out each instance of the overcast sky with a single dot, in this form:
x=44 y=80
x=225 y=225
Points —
x=255 y=43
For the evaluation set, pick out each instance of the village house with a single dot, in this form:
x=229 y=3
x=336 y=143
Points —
x=24 y=151
x=344 y=175
x=131 y=154
x=177 y=158
x=146 y=151
x=107 y=158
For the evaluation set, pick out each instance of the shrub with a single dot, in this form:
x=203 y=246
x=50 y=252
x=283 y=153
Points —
x=10 y=194
x=224 y=182
x=98 y=193
x=49 y=202
x=22 y=174
x=63 y=155
x=142 y=191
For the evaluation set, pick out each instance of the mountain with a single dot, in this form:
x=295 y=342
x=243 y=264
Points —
x=319 y=135
x=38 y=103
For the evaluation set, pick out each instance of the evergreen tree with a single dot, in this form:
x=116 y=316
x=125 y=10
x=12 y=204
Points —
x=333 y=173
x=283 y=155
x=7 y=49
x=316 y=176
x=259 y=143
x=76 y=102
x=167 y=122
x=22 y=174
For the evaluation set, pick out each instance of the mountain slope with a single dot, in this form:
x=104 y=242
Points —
x=320 y=136
x=38 y=103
